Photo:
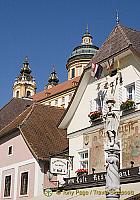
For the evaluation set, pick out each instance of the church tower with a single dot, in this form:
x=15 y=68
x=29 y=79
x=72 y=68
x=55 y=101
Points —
x=24 y=85
x=53 y=80
x=81 y=55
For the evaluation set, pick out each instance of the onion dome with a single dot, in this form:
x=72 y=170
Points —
x=84 y=51
x=25 y=69
x=53 y=79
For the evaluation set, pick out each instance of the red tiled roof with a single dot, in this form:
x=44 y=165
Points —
x=38 y=126
x=56 y=89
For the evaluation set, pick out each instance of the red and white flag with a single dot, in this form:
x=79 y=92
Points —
x=96 y=70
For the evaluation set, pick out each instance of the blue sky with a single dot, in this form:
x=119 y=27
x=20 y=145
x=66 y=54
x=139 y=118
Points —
x=47 y=30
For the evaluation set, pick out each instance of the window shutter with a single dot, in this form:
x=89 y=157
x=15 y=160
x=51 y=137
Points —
x=120 y=94
x=91 y=105
x=137 y=91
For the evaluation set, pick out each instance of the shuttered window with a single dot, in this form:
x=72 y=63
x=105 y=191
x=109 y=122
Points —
x=137 y=91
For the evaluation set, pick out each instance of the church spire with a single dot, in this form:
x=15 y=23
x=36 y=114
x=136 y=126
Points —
x=53 y=79
x=24 y=85
x=87 y=37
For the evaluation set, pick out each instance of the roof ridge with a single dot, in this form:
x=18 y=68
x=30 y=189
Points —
x=13 y=120
x=28 y=114
x=7 y=103
x=123 y=33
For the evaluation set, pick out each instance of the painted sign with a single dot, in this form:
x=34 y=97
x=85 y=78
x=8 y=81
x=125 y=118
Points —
x=126 y=175
x=59 y=166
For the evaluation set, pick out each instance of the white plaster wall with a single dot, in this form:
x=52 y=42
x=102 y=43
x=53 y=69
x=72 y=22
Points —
x=75 y=145
x=80 y=119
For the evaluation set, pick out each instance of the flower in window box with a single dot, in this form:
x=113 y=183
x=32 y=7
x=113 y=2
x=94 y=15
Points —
x=127 y=105
x=81 y=171
x=94 y=115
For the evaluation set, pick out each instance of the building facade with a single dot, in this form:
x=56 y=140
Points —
x=55 y=94
x=84 y=119
x=26 y=145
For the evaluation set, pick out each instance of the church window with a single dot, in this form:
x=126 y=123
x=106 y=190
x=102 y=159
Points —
x=73 y=73
x=28 y=93
x=7 y=187
x=17 y=94
x=56 y=101
x=63 y=100
x=70 y=96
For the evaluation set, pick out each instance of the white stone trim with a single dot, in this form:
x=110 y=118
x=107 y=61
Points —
x=15 y=183
x=15 y=167
x=18 y=164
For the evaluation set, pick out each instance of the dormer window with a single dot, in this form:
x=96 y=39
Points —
x=10 y=150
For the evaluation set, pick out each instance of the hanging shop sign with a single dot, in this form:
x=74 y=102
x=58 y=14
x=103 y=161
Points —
x=59 y=166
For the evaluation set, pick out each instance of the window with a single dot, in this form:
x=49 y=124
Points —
x=63 y=100
x=99 y=103
x=70 y=96
x=10 y=150
x=7 y=188
x=84 y=159
x=56 y=101
x=24 y=183
x=131 y=92
x=73 y=73
x=28 y=93
x=17 y=94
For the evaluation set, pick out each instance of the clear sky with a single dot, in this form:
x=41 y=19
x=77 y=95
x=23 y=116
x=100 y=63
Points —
x=47 y=30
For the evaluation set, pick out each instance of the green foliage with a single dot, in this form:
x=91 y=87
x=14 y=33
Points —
x=127 y=105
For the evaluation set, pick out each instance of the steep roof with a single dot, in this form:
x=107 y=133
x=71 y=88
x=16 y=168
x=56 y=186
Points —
x=120 y=39
x=38 y=126
x=62 y=87
x=12 y=109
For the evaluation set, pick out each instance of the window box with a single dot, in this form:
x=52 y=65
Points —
x=81 y=172
x=127 y=105
x=95 y=117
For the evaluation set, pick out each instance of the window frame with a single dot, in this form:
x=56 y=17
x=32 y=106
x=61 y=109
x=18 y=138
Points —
x=24 y=195
x=132 y=85
x=28 y=91
x=10 y=186
x=12 y=150
x=17 y=94
x=84 y=159
x=56 y=100
x=72 y=73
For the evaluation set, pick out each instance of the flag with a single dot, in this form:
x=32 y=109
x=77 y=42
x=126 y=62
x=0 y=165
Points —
x=96 y=70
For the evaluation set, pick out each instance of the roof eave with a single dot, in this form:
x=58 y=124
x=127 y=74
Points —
x=63 y=123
